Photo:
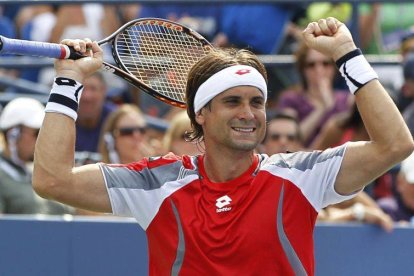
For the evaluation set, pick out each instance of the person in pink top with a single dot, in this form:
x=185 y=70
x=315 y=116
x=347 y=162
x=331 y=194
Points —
x=228 y=211
x=317 y=100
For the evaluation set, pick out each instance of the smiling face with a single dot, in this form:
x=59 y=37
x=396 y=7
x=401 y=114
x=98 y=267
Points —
x=234 y=120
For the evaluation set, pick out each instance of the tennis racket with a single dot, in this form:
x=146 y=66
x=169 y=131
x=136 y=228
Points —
x=152 y=54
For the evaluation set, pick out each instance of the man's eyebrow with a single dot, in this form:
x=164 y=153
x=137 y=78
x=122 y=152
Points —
x=231 y=97
x=258 y=97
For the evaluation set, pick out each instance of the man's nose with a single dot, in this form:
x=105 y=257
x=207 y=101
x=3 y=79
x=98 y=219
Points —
x=246 y=112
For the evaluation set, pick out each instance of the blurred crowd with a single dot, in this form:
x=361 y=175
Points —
x=309 y=106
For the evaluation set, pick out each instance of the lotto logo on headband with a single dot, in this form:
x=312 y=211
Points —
x=243 y=71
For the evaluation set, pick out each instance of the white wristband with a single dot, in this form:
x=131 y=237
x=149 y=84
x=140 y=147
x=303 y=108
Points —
x=356 y=70
x=64 y=97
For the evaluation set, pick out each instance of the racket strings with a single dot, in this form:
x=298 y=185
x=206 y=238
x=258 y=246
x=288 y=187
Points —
x=159 y=57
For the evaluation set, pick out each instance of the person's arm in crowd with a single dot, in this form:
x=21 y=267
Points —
x=390 y=140
x=360 y=208
x=357 y=212
x=330 y=134
x=323 y=102
x=368 y=23
x=54 y=175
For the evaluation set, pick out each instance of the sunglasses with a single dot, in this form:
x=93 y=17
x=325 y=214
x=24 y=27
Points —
x=324 y=63
x=129 y=131
x=278 y=136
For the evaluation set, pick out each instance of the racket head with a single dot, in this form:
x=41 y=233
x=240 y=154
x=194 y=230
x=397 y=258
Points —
x=159 y=53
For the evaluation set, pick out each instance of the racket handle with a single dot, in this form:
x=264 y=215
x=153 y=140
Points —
x=35 y=48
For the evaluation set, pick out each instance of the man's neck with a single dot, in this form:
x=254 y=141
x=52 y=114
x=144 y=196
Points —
x=225 y=167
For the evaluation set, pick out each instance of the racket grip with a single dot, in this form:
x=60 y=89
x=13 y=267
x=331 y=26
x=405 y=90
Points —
x=35 y=48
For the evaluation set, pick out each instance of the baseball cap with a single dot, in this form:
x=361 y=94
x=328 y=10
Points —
x=407 y=168
x=408 y=67
x=22 y=111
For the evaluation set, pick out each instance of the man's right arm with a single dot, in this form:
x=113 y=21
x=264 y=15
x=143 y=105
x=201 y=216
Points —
x=54 y=175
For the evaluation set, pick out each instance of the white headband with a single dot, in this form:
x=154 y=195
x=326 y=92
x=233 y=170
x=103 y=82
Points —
x=227 y=78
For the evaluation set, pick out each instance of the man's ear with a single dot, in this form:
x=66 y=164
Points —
x=199 y=117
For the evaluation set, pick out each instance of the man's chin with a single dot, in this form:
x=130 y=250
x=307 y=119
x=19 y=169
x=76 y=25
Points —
x=245 y=146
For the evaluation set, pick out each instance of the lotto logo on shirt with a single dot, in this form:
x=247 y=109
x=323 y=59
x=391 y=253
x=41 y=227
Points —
x=222 y=204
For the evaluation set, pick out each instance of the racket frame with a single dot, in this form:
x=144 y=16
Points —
x=123 y=71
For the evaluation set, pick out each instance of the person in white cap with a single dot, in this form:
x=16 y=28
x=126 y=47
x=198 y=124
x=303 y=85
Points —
x=20 y=122
x=228 y=211
x=401 y=206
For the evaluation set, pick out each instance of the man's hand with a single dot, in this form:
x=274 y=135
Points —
x=330 y=37
x=81 y=68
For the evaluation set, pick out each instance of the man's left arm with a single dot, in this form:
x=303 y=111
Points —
x=390 y=140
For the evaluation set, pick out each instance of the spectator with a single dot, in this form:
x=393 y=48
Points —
x=407 y=44
x=341 y=128
x=406 y=100
x=403 y=96
x=237 y=29
x=361 y=208
x=7 y=29
x=176 y=140
x=204 y=19
x=6 y=26
x=262 y=28
x=282 y=135
x=345 y=127
x=20 y=122
x=383 y=25
x=401 y=206
x=123 y=139
x=94 y=21
x=35 y=22
x=92 y=113
x=317 y=101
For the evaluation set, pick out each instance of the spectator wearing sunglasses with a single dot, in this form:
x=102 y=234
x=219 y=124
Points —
x=317 y=100
x=176 y=140
x=282 y=135
x=124 y=137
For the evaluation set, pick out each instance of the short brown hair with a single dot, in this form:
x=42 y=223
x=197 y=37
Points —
x=207 y=66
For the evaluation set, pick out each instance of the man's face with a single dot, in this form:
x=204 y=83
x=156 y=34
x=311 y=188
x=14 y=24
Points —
x=130 y=135
x=93 y=98
x=282 y=136
x=318 y=67
x=26 y=143
x=235 y=119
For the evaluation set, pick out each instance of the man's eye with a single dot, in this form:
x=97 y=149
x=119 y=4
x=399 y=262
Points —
x=258 y=102
x=231 y=101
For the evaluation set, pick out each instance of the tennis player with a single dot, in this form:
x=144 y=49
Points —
x=229 y=211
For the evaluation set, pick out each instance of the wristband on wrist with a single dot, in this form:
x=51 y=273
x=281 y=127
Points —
x=64 y=97
x=356 y=70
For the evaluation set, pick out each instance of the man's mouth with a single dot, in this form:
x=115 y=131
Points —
x=244 y=129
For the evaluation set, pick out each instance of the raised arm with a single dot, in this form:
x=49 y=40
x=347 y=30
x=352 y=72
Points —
x=54 y=175
x=390 y=140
